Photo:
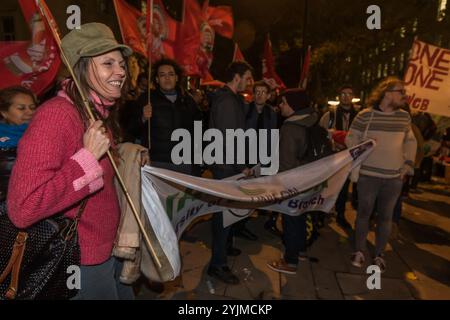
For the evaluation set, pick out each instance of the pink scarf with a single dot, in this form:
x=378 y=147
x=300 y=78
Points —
x=103 y=106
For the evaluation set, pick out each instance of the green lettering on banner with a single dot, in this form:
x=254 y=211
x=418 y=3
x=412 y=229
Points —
x=182 y=202
x=169 y=204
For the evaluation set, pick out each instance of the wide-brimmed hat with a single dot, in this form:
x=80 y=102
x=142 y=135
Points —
x=92 y=39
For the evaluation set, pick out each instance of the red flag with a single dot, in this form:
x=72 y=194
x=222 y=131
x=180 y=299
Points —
x=33 y=64
x=164 y=32
x=305 y=69
x=237 y=56
x=221 y=19
x=268 y=68
x=133 y=26
x=197 y=34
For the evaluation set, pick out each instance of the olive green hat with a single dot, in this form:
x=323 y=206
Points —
x=92 y=39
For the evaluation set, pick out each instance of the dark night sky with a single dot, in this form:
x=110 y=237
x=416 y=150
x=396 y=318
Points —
x=338 y=26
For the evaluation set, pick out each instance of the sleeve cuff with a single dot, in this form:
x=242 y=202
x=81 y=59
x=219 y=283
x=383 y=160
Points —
x=93 y=172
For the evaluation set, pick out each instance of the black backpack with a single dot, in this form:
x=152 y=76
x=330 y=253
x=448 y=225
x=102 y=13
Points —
x=319 y=145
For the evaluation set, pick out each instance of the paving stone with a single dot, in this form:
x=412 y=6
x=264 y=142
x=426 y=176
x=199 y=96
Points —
x=355 y=287
x=299 y=286
x=263 y=283
x=327 y=286
x=194 y=256
x=428 y=289
x=328 y=249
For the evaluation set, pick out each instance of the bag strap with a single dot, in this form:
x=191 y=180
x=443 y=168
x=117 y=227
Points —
x=15 y=261
x=74 y=225
x=13 y=265
x=81 y=209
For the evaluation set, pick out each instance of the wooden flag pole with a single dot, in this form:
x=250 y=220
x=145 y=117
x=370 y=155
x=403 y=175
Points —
x=149 y=54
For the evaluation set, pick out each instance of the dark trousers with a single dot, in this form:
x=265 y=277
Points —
x=416 y=178
x=426 y=169
x=221 y=238
x=342 y=200
x=294 y=237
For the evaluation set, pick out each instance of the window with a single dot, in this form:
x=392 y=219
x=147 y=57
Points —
x=441 y=10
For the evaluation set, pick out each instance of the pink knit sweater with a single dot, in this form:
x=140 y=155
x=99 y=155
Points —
x=53 y=173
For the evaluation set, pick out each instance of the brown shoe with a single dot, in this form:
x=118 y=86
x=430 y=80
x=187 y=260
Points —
x=282 y=266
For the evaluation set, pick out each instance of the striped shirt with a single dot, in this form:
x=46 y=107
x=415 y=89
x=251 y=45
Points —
x=396 y=145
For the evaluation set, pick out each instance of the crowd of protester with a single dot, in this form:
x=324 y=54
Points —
x=57 y=161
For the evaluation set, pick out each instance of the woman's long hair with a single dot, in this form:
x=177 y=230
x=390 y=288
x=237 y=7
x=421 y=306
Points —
x=81 y=71
x=377 y=94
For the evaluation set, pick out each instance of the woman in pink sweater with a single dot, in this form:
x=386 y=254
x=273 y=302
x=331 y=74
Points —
x=61 y=158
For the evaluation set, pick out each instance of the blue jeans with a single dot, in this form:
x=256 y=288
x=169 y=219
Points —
x=384 y=193
x=101 y=282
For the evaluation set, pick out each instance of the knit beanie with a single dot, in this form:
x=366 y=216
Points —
x=298 y=101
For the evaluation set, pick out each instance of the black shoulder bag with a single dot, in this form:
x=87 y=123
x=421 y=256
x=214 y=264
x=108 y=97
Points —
x=34 y=261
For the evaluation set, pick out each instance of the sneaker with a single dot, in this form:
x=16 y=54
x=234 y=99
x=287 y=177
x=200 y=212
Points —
x=303 y=256
x=380 y=262
x=358 y=259
x=282 y=266
x=223 y=274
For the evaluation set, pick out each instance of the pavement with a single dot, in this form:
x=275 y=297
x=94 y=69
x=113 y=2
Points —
x=418 y=260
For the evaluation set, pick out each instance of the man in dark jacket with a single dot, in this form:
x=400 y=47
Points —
x=227 y=112
x=341 y=119
x=260 y=115
x=300 y=116
x=170 y=109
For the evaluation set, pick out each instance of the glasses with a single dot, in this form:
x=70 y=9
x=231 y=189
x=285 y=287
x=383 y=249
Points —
x=402 y=91
x=346 y=94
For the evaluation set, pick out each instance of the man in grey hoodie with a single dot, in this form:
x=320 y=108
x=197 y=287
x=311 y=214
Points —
x=300 y=116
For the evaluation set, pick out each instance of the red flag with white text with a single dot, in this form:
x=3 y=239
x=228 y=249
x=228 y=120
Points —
x=33 y=64
x=268 y=68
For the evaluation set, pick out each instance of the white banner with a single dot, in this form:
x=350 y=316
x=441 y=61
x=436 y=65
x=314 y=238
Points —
x=174 y=198
x=427 y=79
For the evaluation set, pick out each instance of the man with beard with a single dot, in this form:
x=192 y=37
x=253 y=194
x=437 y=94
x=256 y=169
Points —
x=227 y=112
x=382 y=173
